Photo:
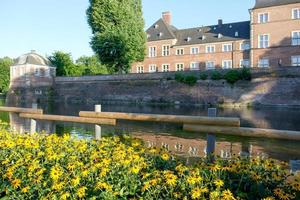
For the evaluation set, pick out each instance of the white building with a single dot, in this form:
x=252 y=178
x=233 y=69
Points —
x=31 y=70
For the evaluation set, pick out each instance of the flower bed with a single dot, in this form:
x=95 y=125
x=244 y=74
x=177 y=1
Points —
x=53 y=167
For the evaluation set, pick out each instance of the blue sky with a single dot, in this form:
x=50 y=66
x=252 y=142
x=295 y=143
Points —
x=50 y=25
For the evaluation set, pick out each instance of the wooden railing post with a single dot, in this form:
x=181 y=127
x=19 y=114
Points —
x=97 y=127
x=33 y=121
x=211 y=138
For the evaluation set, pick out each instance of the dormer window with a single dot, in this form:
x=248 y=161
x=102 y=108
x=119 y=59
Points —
x=156 y=26
x=220 y=35
x=236 y=34
x=148 y=35
x=230 y=26
x=215 y=28
x=263 y=18
x=199 y=30
x=160 y=34
x=188 y=39
x=203 y=37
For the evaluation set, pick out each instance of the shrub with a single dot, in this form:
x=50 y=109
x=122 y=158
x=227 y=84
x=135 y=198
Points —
x=203 y=76
x=232 y=76
x=190 y=80
x=215 y=75
x=186 y=79
x=179 y=77
x=52 y=167
x=246 y=74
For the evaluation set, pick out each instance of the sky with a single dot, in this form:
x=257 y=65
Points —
x=61 y=25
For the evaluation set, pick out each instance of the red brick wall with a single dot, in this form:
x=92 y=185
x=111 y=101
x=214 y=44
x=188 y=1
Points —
x=280 y=28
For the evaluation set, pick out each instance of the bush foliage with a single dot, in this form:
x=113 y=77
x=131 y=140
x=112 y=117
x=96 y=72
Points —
x=186 y=79
x=52 y=167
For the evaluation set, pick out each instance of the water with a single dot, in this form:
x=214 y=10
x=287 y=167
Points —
x=186 y=144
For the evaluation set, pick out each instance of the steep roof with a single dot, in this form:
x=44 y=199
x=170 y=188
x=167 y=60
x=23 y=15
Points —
x=199 y=35
x=269 y=3
x=160 y=30
x=213 y=34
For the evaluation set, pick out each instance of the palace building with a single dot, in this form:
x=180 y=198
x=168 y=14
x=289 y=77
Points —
x=270 y=39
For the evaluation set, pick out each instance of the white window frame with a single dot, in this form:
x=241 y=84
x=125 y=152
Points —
x=179 y=67
x=225 y=62
x=265 y=64
x=152 y=53
x=152 y=68
x=210 y=47
x=166 y=52
x=298 y=13
x=180 y=49
x=194 y=50
x=227 y=45
x=242 y=43
x=297 y=43
x=140 y=69
x=259 y=41
x=298 y=61
x=264 y=20
x=211 y=67
x=37 y=72
x=164 y=69
x=243 y=60
x=194 y=65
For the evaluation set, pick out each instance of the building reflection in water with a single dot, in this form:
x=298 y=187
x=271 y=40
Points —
x=22 y=125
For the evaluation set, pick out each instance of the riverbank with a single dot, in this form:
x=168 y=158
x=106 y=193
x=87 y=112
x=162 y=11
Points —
x=121 y=168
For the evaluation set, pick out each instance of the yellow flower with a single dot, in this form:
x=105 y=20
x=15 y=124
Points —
x=171 y=179
x=102 y=185
x=227 y=195
x=135 y=170
x=81 y=192
x=25 y=189
x=196 y=193
x=219 y=183
x=146 y=186
x=214 y=195
x=16 y=183
x=165 y=156
x=192 y=180
x=278 y=192
x=75 y=181
x=65 y=196
x=56 y=172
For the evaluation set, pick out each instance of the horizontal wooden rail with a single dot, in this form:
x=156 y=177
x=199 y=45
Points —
x=70 y=119
x=241 y=131
x=216 y=121
x=21 y=110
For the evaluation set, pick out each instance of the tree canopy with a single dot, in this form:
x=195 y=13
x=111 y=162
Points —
x=5 y=64
x=118 y=32
x=84 y=65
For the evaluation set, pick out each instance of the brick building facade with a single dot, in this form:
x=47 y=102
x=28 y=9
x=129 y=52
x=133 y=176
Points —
x=271 y=38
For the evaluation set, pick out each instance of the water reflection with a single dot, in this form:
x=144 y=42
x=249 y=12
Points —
x=189 y=145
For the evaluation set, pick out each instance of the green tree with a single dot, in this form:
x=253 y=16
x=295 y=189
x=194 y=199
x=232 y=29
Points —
x=118 y=32
x=91 y=65
x=64 y=64
x=5 y=64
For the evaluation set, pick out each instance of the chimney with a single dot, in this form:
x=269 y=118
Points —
x=167 y=17
x=220 y=22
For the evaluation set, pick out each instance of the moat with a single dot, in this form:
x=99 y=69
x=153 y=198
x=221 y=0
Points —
x=170 y=136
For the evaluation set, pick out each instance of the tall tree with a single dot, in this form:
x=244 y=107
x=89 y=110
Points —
x=91 y=65
x=5 y=64
x=118 y=32
x=64 y=64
